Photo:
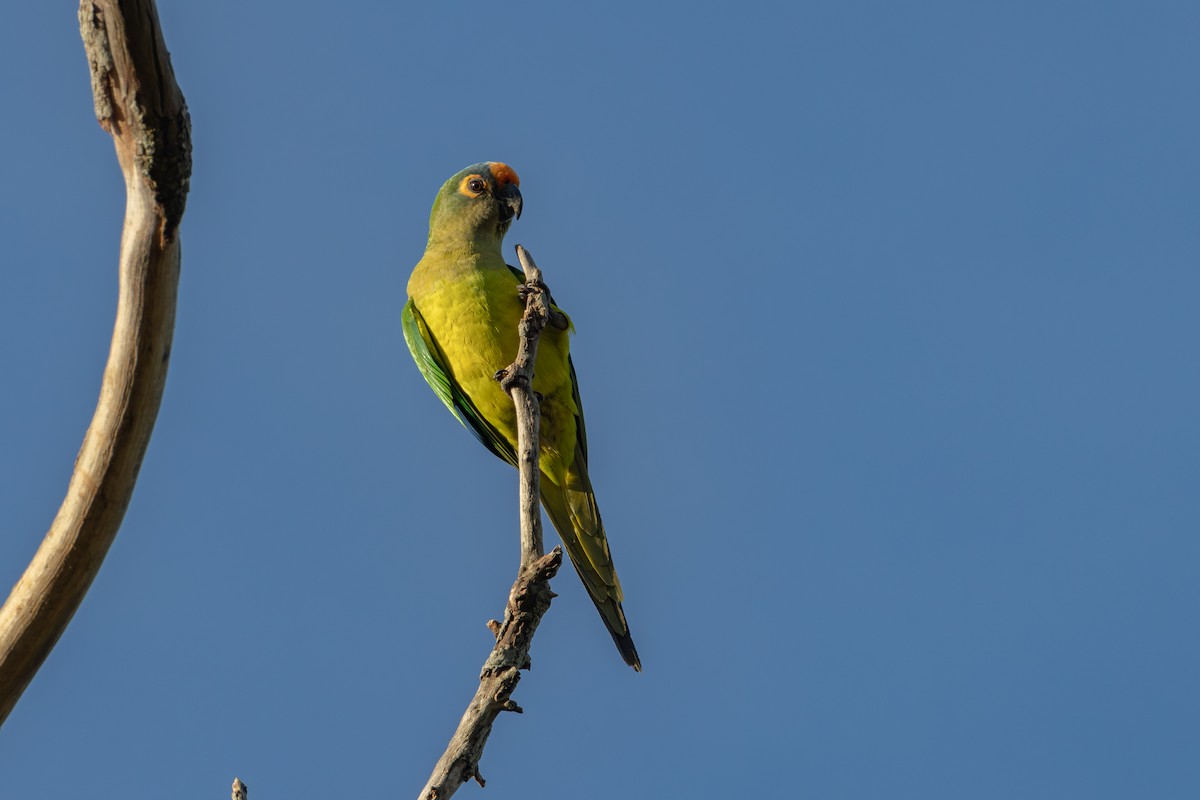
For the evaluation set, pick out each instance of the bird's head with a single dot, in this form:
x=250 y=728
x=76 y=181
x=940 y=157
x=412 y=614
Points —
x=476 y=206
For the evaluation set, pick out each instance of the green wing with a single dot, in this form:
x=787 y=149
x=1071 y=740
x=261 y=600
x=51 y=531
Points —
x=432 y=363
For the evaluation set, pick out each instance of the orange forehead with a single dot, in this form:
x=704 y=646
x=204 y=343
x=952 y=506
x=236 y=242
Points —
x=504 y=174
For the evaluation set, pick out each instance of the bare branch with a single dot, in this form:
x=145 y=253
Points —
x=518 y=382
x=530 y=596
x=139 y=103
x=527 y=602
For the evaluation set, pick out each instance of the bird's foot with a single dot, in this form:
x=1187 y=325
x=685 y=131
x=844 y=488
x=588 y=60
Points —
x=510 y=377
x=526 y=289
x=556 y=319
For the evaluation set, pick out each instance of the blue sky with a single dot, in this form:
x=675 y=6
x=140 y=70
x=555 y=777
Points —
x=886 y=335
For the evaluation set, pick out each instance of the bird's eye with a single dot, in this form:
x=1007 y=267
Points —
x=476 y=185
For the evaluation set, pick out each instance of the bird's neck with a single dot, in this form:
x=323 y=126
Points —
x=456 y=235
x=482 y=245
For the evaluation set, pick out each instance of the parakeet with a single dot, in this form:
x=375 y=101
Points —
x=460 y=323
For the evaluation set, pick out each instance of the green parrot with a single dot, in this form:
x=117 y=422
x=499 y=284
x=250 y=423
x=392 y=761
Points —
x=460 y=323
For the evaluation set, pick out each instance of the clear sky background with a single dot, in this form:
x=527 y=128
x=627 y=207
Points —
x=887 y=336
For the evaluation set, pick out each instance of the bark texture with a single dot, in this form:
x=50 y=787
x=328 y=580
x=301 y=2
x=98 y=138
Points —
x=138 y=101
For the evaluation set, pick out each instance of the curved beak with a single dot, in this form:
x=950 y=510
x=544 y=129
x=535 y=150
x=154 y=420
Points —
x=510 y=203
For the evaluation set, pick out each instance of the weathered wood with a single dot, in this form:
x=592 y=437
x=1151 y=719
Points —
x=530 y=596
x=518 y=382
x=139 y=103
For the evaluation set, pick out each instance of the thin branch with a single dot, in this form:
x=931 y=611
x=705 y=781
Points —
x=138 y=102
x=530 y=596
x=517 y=380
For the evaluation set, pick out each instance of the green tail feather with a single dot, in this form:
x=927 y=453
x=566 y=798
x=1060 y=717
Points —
x=577 y=520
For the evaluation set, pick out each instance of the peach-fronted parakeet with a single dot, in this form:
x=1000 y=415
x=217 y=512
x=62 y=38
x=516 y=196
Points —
x=460 y=323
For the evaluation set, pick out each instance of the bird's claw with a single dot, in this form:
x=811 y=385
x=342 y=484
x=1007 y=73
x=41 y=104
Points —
x=557 y=319
x=526 y=289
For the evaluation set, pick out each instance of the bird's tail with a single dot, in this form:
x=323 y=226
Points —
x=576 y=517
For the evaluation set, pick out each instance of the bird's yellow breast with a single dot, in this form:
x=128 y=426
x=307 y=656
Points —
x=472 y=309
